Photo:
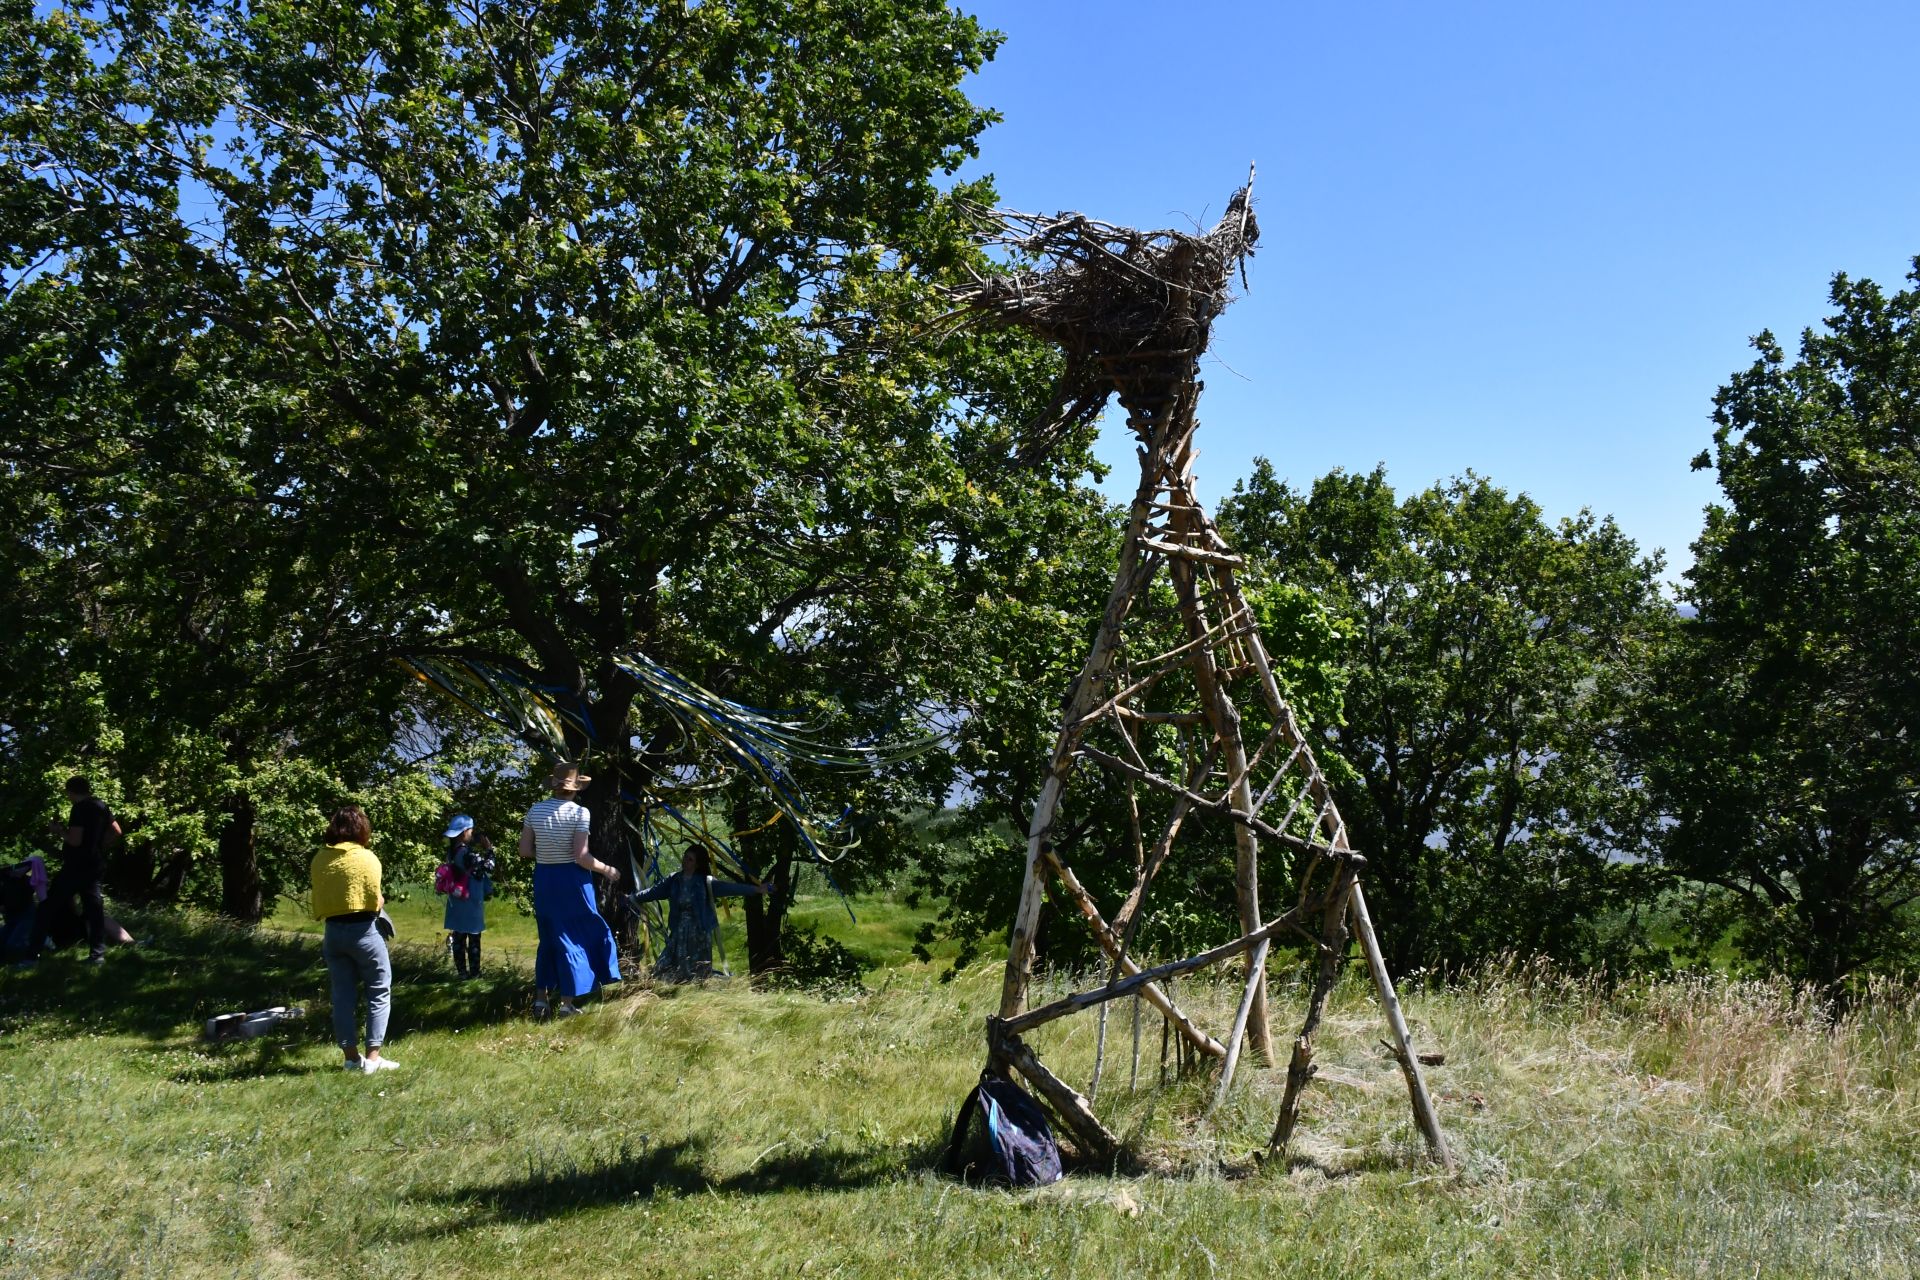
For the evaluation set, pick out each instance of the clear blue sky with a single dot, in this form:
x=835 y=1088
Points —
x=1530 y=239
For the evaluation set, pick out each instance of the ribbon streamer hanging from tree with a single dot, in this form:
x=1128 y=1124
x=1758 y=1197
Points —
x=722 y=737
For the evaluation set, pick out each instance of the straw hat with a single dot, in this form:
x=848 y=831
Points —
x=567 y=777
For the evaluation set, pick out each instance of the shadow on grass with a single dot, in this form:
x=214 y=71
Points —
x=191 y=967
x=1372 y=1161
x=557 y=1184
x=255 y=1060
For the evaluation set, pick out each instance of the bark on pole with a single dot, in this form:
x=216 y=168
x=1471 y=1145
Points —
x=1013 y=986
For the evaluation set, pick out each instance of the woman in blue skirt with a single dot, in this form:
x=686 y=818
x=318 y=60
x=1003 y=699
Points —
x=576 y=951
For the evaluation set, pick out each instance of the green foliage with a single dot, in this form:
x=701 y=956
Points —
x=1779 y=736
x=1473 y=745
x=535 y=333
x=816 y=963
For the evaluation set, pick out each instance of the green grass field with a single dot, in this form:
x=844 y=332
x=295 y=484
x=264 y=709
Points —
x=1682 y=1128
x=879 y=930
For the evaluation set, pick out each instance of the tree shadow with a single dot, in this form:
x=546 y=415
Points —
x=830 y=1169
x=1372 y=1160
x=191 y=967
x=252 y=1060
x=558 y=1183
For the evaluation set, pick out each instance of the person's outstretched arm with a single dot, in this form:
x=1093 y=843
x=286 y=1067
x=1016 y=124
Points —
x=734 y=889
x=657 y=893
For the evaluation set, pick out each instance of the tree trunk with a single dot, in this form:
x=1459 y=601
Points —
x=170 y=879
x=610 y=841
x=130 y=873
x=241 y=895
x=1829 y=889
x=767 y=916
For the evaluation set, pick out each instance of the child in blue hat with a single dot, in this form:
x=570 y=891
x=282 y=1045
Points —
x=469 y=854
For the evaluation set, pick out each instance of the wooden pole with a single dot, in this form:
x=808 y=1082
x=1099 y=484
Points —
x=1166 y=1040
x=1133 y=1075
x=1193 y=527
x=1127 y=986
x=1013 y=987
x=1129 y=579
x=1300 y=1069
x=1423 y=1112
x=1116 y=951
x=1096 y=1140
x=1099 y=1057
x=1256 y=980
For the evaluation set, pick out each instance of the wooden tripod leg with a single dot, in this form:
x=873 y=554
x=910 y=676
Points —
x=1130 y=578
x=1423 y=1113
x=1013 y=988
x=1256 y=980
x=1333 y=947
x=1096 y=1140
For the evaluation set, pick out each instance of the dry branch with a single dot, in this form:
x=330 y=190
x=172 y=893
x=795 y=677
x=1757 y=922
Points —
x=1126 y=986
x=1223 y=806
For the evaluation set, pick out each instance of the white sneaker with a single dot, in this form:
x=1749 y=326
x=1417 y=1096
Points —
x=356 y=1065
x=567 y=1011
x=380 y=1064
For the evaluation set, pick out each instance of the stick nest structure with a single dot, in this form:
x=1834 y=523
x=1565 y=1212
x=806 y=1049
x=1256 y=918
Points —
x=1132 y=310
x=1176 y=704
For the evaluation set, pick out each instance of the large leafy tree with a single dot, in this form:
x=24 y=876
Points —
x=162 y=636
x=1781 y=737
x=550 y=331
x=1487 y=652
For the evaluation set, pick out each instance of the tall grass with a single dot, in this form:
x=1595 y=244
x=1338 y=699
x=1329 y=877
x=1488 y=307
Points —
x=1683 y=1127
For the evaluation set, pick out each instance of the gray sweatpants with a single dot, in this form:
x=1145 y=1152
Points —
x=356 y=956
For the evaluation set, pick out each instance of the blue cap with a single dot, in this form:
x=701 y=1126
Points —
x=460 y=823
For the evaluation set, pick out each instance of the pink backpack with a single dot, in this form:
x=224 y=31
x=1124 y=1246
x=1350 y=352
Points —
x=451 y=881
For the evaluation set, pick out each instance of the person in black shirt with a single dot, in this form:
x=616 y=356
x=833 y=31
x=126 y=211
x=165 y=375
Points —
x=90 y=827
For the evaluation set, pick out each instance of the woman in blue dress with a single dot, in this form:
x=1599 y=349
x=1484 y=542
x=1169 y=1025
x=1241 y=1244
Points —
x=691 y=919
x=576 y=952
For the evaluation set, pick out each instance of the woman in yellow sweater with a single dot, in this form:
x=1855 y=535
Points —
x=346 y=894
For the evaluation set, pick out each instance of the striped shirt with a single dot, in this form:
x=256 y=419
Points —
x=553 y=822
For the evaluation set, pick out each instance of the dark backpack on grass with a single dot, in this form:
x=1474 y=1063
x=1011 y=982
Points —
x=1023 y=1150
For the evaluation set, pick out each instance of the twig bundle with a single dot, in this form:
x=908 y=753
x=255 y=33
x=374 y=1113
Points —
x=1132 y=310
x=1109 y=291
